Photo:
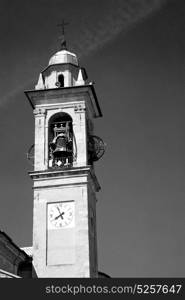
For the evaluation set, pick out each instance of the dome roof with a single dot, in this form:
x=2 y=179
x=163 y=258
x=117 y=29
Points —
x=62 y=57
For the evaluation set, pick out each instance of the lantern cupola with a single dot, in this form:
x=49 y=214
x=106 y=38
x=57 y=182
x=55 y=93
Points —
x=63 y=70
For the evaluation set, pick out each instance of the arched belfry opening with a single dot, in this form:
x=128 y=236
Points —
x=61 y=141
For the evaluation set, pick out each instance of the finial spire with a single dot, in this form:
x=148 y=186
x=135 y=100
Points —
x=62 y=37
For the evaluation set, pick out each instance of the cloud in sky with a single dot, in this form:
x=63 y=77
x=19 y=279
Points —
x=12 y=93
x=118 y=18
x=115 y=17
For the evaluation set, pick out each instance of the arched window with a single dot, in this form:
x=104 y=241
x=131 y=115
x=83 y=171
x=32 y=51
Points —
x=61 y=141
x=61 y=80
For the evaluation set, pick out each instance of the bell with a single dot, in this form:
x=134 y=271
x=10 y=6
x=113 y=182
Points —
x=60 y=147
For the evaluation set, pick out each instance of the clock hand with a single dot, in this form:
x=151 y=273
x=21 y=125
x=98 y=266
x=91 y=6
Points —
x=61 y=215
x=59 y=210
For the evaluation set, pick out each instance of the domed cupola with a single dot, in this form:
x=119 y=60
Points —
x=62 y=71
x=63 y=57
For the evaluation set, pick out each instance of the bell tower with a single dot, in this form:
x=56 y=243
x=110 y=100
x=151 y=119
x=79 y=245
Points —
x=64 y=181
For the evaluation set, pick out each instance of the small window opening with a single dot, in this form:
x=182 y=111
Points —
x=61 y=80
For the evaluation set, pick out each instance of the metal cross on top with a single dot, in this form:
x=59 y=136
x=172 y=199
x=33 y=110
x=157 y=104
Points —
x=63 y=41
x=62 y=25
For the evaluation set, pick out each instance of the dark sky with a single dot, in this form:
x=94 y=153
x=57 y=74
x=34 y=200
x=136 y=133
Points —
x=134 y=51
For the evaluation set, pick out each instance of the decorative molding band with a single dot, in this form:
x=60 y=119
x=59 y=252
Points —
x=66 y=173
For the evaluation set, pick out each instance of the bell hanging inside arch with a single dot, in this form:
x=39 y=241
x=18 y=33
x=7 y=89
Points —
x=60 y=146
x=61 y=150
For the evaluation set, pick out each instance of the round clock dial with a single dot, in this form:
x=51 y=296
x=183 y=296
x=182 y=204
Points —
x=61 y=214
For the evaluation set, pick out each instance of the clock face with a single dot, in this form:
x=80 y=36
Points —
x=61 y=215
